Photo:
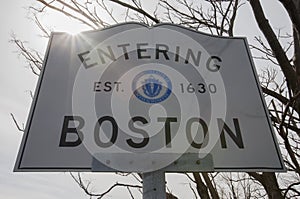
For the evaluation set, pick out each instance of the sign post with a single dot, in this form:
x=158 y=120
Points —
x=158 y=99
x=154 y=185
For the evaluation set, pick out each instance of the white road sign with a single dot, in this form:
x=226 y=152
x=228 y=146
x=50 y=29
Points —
x=138 y=98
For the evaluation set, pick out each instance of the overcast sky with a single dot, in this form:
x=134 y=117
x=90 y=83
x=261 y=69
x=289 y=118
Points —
x=15 y=82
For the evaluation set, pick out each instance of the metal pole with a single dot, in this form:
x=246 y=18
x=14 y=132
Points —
x=154 y=185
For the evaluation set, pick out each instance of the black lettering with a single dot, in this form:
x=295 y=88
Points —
x=117 y=85
x=189 y=131
x=139 y=51
x=107 y=86
x=84 y=59
x=164 y=51
x=114 y=132
x=125 y=52
x=211 y=64
x=67 y=130
x=167 y=121
x=190 y=54
x=108 y=54
x=177 y=53
x=139 y=131
x=236 y=138
x=97 y=86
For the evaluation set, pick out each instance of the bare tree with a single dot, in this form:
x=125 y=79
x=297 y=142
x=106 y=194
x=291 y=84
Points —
x=280 y=82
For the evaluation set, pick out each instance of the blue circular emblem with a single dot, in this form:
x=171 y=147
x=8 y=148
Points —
x=151 y=86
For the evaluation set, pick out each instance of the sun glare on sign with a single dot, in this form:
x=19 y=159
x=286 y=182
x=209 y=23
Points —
x=73 y=33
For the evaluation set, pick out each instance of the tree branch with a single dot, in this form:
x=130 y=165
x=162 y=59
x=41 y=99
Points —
x=278 y=51
x=16 y=123
x=139 y=10
x=201 y=187
x=279 y=97
x=85 y=187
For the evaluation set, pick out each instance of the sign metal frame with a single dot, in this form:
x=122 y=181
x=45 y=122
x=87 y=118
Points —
x=207 y=164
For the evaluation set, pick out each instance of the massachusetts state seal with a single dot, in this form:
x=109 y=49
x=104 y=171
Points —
x=151 y=86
